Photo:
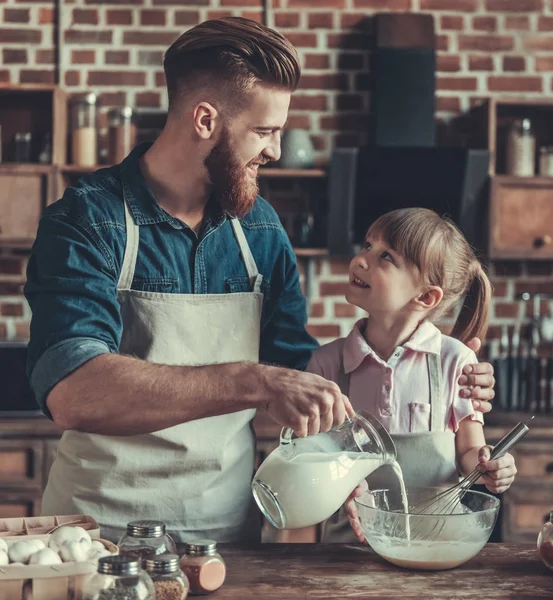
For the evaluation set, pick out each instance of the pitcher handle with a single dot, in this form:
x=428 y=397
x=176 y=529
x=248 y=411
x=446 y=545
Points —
x=286 y=436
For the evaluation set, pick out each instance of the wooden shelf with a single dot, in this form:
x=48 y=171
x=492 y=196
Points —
x=12 y=168
x=25 y=243
x=513 y=180
x=311 y=252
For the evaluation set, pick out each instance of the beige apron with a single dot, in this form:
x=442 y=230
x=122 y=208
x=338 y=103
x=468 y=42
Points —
x=425 y=458
x=195 y=476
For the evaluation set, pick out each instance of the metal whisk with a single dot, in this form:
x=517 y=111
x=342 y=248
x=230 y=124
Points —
x=447 y=502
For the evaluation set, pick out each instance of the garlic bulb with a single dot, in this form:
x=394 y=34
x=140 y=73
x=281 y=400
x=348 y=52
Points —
x=69 y=534
x=46 y=556
x=98 y=545
x=38 y=544
x=96 y=553
x=3 y=546
x=71 y=551
x=4 y=560
x=21 y=551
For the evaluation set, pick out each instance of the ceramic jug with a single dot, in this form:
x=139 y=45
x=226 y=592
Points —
x=305 y=480
x=297 y=150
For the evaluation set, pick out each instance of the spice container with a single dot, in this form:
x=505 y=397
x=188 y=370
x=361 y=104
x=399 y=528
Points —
x=22 y=144
x=545 y=542
x=521 y=148
x=170 y=582
x=204 y=566
x=546 y=161
x=145 y=539
x=119 y=578
x=84 y=132
x=121 y=134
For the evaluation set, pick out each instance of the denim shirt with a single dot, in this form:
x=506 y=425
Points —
x=77 y=257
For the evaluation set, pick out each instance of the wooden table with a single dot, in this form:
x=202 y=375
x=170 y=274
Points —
x=339 y=571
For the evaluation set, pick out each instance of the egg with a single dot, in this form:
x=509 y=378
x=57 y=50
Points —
x=4 y=560
x=3 y=546
x=69 y=534
x=46 y=556
x=21 y=551
x=72 y=551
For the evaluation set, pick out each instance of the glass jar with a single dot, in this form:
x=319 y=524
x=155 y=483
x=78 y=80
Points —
x=119 y=578
x=521 y=149
x=145 y=539
x=121 y=133
x=546 y=161
x=545 y=542
x=170 y=582
x=84 y=131
x=203 y=565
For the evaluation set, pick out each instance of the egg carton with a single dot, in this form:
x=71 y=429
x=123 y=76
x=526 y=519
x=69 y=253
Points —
x=42 y=526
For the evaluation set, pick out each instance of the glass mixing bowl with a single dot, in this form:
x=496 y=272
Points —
x=426 y=541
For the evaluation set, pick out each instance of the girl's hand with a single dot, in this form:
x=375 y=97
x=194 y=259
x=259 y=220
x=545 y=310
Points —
x=477 y=381
x=499 y=474
x=353 y=512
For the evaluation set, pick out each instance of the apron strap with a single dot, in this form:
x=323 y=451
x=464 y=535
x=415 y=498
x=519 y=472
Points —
x=131 y=251
x=435 y=381
x=255 y=277
x=343 y=378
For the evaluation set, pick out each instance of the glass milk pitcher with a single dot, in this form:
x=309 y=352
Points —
x=305 y=480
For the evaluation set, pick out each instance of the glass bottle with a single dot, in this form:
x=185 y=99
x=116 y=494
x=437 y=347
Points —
x=145 y=539
x=170 y=582
x=84 y=131
x=521 y=149
x=203 y=565
x=119 y=578
x=545 y=542
x=121 y=133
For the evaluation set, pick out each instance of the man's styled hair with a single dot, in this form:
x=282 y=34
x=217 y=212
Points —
x=229 y=56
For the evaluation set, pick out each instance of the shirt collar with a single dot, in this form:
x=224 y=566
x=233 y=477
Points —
x=427 y=339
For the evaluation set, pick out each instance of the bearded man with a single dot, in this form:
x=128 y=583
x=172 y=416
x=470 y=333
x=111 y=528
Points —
x=164 y=291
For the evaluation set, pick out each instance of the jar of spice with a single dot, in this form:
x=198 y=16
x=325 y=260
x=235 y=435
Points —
x=521 y=149
x=145 y=539
x=119 y=578
x=546 y=161
x=84 y=132
x=170 y=582
x=545 y=542
x=203 y=565
x=121 y=133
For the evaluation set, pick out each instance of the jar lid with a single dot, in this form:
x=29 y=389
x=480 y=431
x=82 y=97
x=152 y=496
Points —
x=121 y=111
x=147 y=529
x=118 y=565
x=162 y=563
x=200 y=547
x=89 y=98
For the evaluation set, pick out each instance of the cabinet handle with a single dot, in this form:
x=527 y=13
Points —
x=542 y=240
x=549 y=468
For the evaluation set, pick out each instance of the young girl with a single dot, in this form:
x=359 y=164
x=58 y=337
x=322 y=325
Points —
x=413 y=268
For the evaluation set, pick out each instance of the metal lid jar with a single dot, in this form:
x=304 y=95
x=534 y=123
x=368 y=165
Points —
x=170 y=582
x=145 y=539
x=84 y=131
x=119 y=578
x=121 y=133
x=203 y=565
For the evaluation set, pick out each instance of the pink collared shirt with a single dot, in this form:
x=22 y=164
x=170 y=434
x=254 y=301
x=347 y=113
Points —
x=397 y=392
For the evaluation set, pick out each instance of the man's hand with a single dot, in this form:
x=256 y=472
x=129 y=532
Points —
x=353 y=512
x=478 y=381
x=305 y=402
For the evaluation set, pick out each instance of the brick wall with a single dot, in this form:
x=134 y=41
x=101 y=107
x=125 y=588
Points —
x=115 y=48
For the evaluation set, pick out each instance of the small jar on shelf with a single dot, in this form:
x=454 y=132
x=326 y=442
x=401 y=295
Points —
x=146 y=539
x=545 y=542
x=84 y=131
x=204 y=566
x=119 y=578
x=170 y=582
x=121 y=133
x=521 y=149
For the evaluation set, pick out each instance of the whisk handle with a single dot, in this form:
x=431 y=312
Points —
x=506 y=443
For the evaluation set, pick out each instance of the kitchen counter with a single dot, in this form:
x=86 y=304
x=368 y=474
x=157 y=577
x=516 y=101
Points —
x=336 y=571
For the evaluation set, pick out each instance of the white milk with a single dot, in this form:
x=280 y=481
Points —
x=311 y=486
x=399 y=473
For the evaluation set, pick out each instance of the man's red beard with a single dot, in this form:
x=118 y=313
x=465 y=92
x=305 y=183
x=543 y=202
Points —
x=234 y=192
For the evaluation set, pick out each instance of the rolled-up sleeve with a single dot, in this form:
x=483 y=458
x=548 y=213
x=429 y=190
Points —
x=72 y=292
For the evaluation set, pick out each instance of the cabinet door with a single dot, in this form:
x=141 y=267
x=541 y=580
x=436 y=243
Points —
x=21 y=464
x=527 y=507
x=521 y=218
x=19 y=504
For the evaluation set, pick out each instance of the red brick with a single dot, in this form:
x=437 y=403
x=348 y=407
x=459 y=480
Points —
x=506 y=310
x=484 y=24
x=334 y=81
x=319 y=142
x=313 y=102
x=317 y=310
x=456 y=5
x=9 y=288
x=149 y=99
x=36 y=76
x=303 y=40
x=499 y=289
x=287 y=19
x=11 y=266
x=514 y=5
x=448 y=62
x=72 y=78
x=14 y=56
x=11 y=309
x=218 y=14
x=160 y=79
x=150 y=58
x=46 y=16
x=16 y=15
x=320 y=20
x=514 y=63
x=181 y=2
x=85 y=16
x=152 y=17
x=544 y=63
x=319 y=4
x=539 y=269
x=187 y=17
x=119 y=17
x=316 y=61
x=135 y=2
x=112 y=98
x=150 y=38
x=448 y=104
x=44 y=57
x=3 y=331
x=333 y=288
x=518 y=23
x=452 y=22
x=545 y=23
x=515 y=84
x=480 y=63
x=117 y=57
x=324 y=331
x=5 y=76
x=344 y=311
x=538 y=43
x=357 y=21
x=90 y=36
x=384 y=4
x=486 y=43
x=119 y=78
x=348 y=41
x=241 y=3
x=468 y=84
x=345 y=122
x=298 y=122
x=83 y=57
x=351 y=61
x=362 y=82
x=20 y=36
x=22 y=331
x=339 y=267
x=349 y=102
x=442 y=43
x=534 y=287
